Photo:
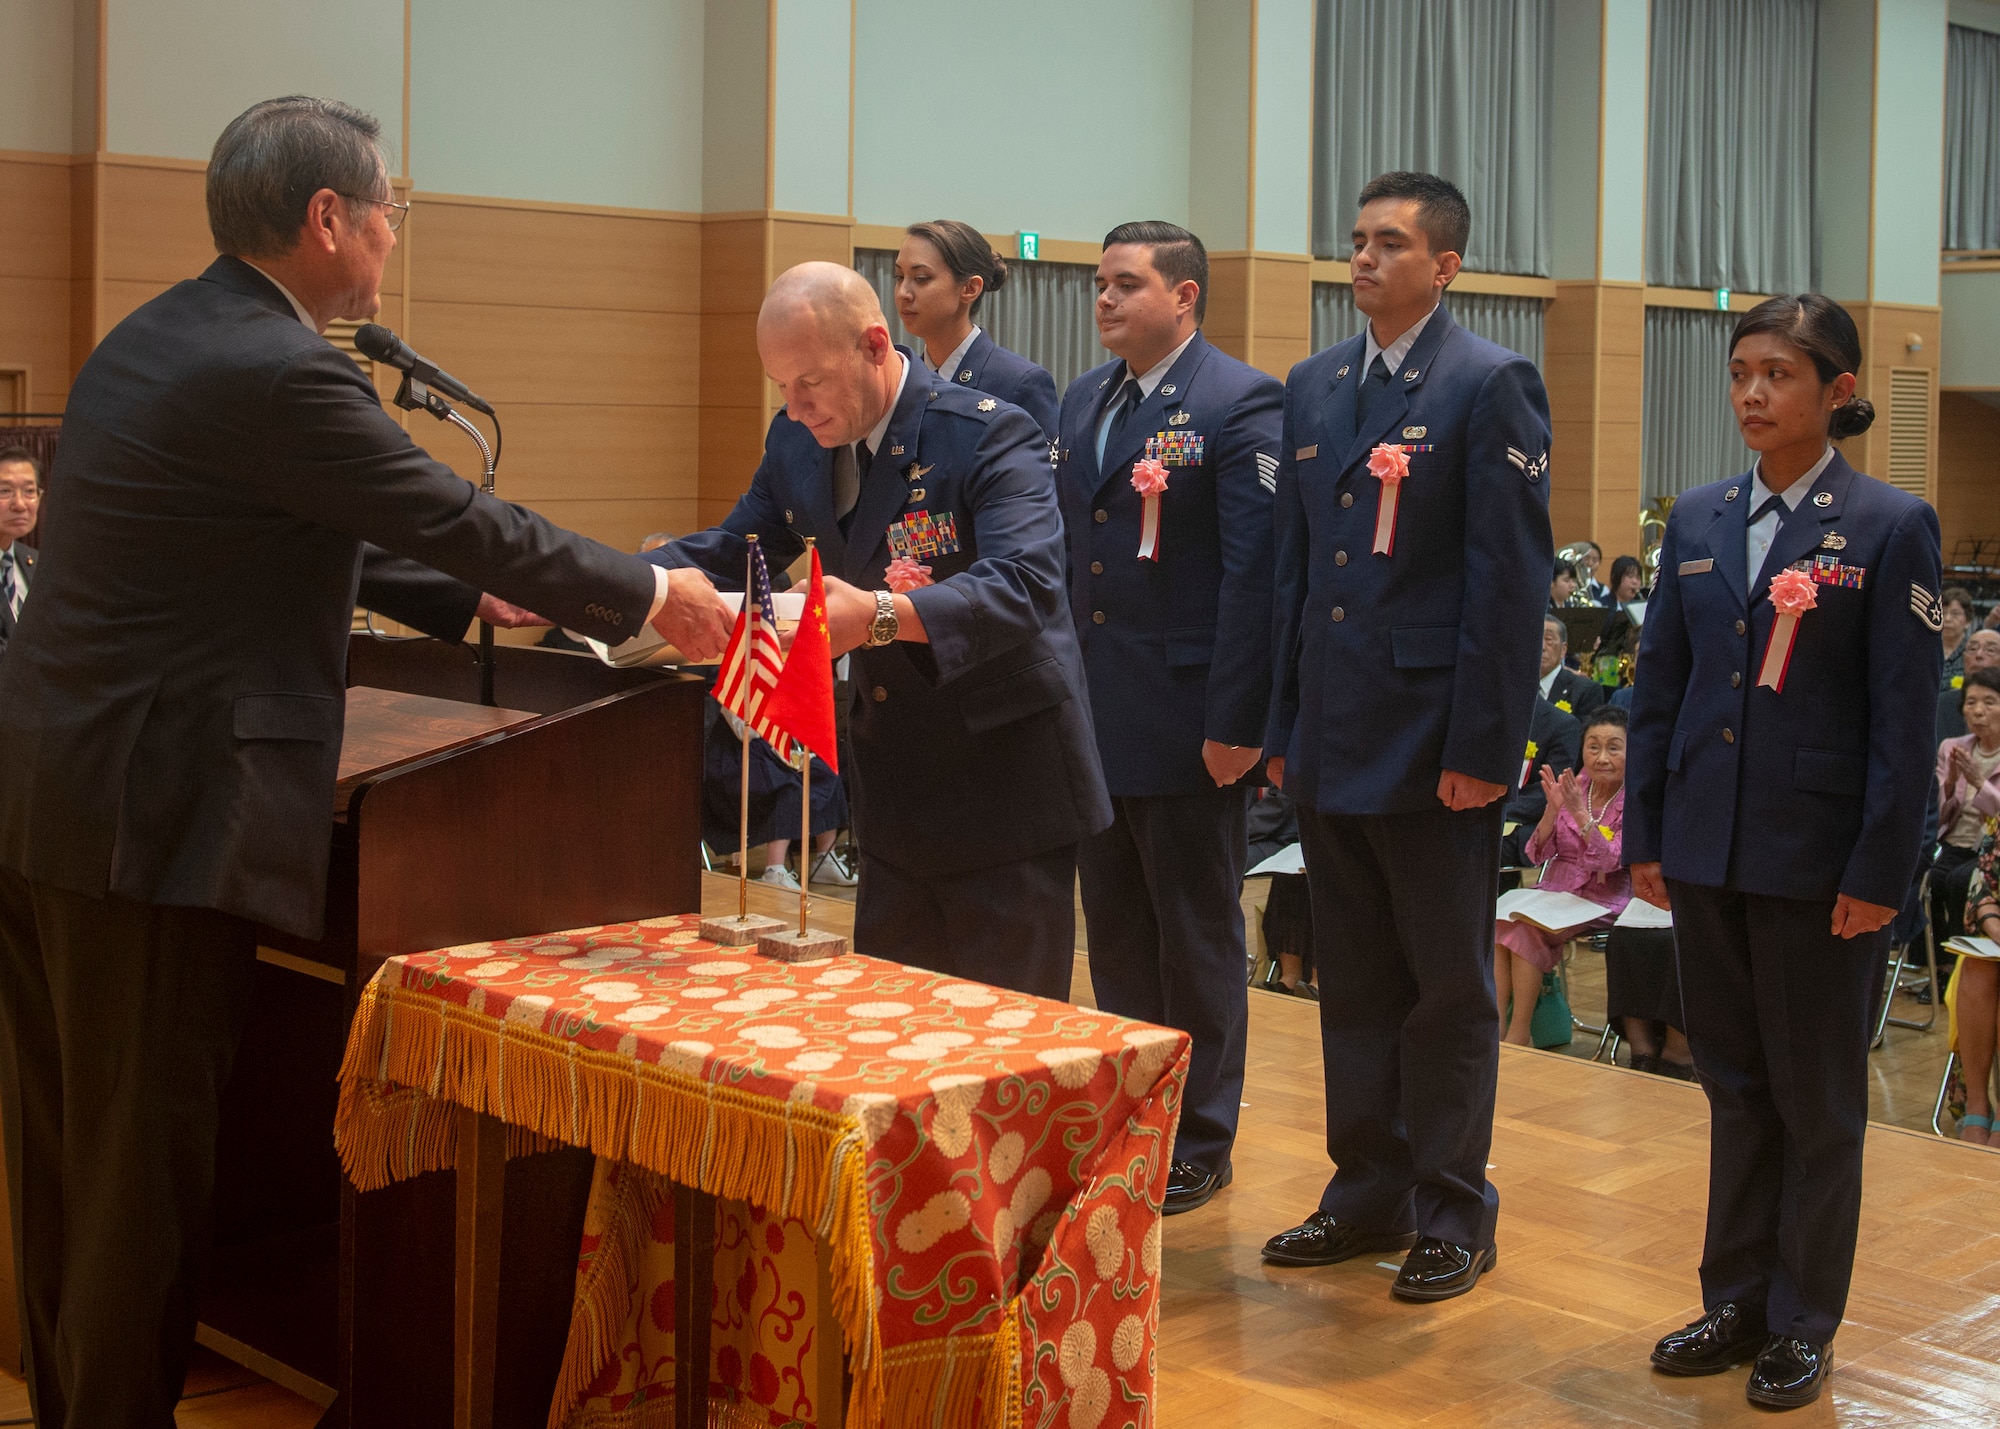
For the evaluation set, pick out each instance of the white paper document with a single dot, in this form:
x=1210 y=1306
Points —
x=649 y=647
x=1289 y=859
x=1641 y=914
x=1973 y=947
x=1551 y=912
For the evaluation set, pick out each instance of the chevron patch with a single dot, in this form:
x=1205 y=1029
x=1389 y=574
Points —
x=1267 y=470
x=1531 y=467
x=1927 y=608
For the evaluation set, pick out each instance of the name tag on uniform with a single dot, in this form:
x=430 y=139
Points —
x=1307 y=453
x=1695 y=568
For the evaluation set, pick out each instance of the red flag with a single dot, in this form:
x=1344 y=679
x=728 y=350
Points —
x=801 y=704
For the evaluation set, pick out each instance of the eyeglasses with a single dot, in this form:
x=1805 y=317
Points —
x=397 y=211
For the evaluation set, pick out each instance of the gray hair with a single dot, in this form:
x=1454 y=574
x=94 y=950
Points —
x=274 y=157
x=1561 y=627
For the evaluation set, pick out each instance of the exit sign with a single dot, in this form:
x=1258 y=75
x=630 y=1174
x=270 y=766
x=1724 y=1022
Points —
x=1722 y=300
x=1031 y=244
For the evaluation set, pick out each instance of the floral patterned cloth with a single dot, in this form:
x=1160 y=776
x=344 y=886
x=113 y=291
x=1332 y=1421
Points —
x=986 y=1167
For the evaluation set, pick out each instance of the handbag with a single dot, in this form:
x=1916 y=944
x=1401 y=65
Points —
x=1551 y=1026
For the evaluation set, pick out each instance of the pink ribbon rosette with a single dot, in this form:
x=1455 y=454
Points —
x=1388 y=464
x=905 y=575
x=1149 y=479
x=1792 y=595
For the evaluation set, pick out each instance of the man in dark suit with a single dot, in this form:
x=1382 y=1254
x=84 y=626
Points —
x=20 y=506
x=170 y=724
x=1555 y=742
x=1177 y=645
x=1412 y=549
x=1571 y=692
x=975 y=770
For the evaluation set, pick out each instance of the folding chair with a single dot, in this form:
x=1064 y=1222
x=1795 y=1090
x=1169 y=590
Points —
x=1899 y=962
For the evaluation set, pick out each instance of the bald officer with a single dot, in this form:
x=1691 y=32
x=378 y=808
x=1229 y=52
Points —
x=976 y=773
x=1178 y=648
x=1407 y=622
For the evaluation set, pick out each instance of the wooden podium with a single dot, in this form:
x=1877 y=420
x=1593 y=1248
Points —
x=576 y=803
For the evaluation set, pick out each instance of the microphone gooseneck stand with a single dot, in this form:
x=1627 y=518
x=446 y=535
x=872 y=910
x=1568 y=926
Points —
x=415 y=395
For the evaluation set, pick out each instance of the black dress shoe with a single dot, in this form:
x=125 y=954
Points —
x=1727 y=1336
x=1322 y=1240
x=1437 y=1270
x=1189 y=1187
x=1789 y=1373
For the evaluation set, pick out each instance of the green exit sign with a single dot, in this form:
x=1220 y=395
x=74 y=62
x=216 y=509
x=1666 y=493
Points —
x=1722 y=300
x=1031 y=244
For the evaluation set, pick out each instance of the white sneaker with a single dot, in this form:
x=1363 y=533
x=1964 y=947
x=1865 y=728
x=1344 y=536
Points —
x=779 y=876
x=828 y=868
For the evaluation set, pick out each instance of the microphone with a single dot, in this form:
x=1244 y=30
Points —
x=377 y=342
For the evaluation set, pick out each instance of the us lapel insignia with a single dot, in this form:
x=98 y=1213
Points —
x=1834 y=542
x=1340 y=374
x=1168 y=390
x=895 y=451
x=1103 y=384
x=965 y=376
x=1415 y=434
x=987 y=404
x=1180 y=419
x=788 y=515
x=1823 y=500
x=1730 y=495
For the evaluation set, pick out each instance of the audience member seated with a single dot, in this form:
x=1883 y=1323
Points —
x=1273 y=826
x=1570 y=691
x=1582 y=836
x=1642 y=997
x=1982 y=652
x=1563 y=585
x=1976 y=1000
x=1627 y=576
x=1555 y=744
x=1968 y=781
x=774 y=804
x=20 y=507
x=1958 y=617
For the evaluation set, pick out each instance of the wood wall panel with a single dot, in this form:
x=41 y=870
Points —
x=34 y=218
x=155 y=224
x=1968 y=475
x=566 y=452
x=475 y=253
x=621 y=524
x=34 y=333
x=580 y=355
x=1593 y=362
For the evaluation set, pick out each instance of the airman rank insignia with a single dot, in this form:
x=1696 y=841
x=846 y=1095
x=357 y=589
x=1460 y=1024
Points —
x=1180 y=419
x=1530 y=467
x=1927 y=608
x=1828 y=570
x=1177 y=448
x=1267 y=470
x=921 y=534
x=987 y=404
x=965 y=376
x=1834 y=542
x=1823 y=500
x=1415 y=434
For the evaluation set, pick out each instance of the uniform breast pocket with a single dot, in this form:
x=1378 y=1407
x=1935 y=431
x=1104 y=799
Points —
x=1424 y=647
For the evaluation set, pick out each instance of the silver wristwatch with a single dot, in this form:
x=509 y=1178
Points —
x=883 y=631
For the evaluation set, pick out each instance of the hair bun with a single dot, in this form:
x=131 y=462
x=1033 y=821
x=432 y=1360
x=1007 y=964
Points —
x=998 y=278
x=1851 y=418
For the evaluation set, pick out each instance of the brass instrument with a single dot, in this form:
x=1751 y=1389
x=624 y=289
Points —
x=1652 y=535
x=1574 y=553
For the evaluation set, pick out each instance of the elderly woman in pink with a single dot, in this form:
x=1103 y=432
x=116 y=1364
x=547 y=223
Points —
x=1582 y=837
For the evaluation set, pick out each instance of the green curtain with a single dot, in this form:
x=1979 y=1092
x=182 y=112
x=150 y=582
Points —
x=1688 y=435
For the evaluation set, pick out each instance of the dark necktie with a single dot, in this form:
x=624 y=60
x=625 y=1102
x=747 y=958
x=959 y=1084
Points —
x=9 y=591
x=1771 y=504
x=1373 y=387
x=1129 y=398
x=848 y=501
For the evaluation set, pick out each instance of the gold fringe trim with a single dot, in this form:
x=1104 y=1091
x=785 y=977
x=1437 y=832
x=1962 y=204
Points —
x=413 y=1059
x=659 y=1414
x=964 y=1380
x=603 y=1298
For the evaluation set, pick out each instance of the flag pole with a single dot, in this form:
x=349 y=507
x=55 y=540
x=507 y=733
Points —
x=805 y=809
x=750 y=613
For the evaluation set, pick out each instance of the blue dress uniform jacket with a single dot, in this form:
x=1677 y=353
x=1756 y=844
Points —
x=1820 y=789
x=1442 y=631
x=1178 y=650
x=975 y=749
x=990 y=368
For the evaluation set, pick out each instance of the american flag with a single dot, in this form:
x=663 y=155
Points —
x=750 y=667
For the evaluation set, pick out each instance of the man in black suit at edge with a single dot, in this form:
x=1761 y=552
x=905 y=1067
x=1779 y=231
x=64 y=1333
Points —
x=1568 y=691
x=20 y=503
x=170 y=722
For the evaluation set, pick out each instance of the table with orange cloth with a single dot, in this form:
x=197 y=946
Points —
x=985 y=1168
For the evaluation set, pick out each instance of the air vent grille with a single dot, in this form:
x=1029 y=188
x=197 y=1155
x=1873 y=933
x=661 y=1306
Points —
x=1910 y=429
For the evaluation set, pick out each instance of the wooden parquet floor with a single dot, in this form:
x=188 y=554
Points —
x=1601 y=1173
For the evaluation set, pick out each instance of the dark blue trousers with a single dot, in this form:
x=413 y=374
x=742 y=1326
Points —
x=1162 y=903
x=1403 y=938
x=1012 y=925
x=1778 y=1021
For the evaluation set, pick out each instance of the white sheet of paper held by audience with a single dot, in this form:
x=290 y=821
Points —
x=1641 y=914
x=1289 y=859
x=649 y=647
x=1551 y=911
x=1973 y=948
